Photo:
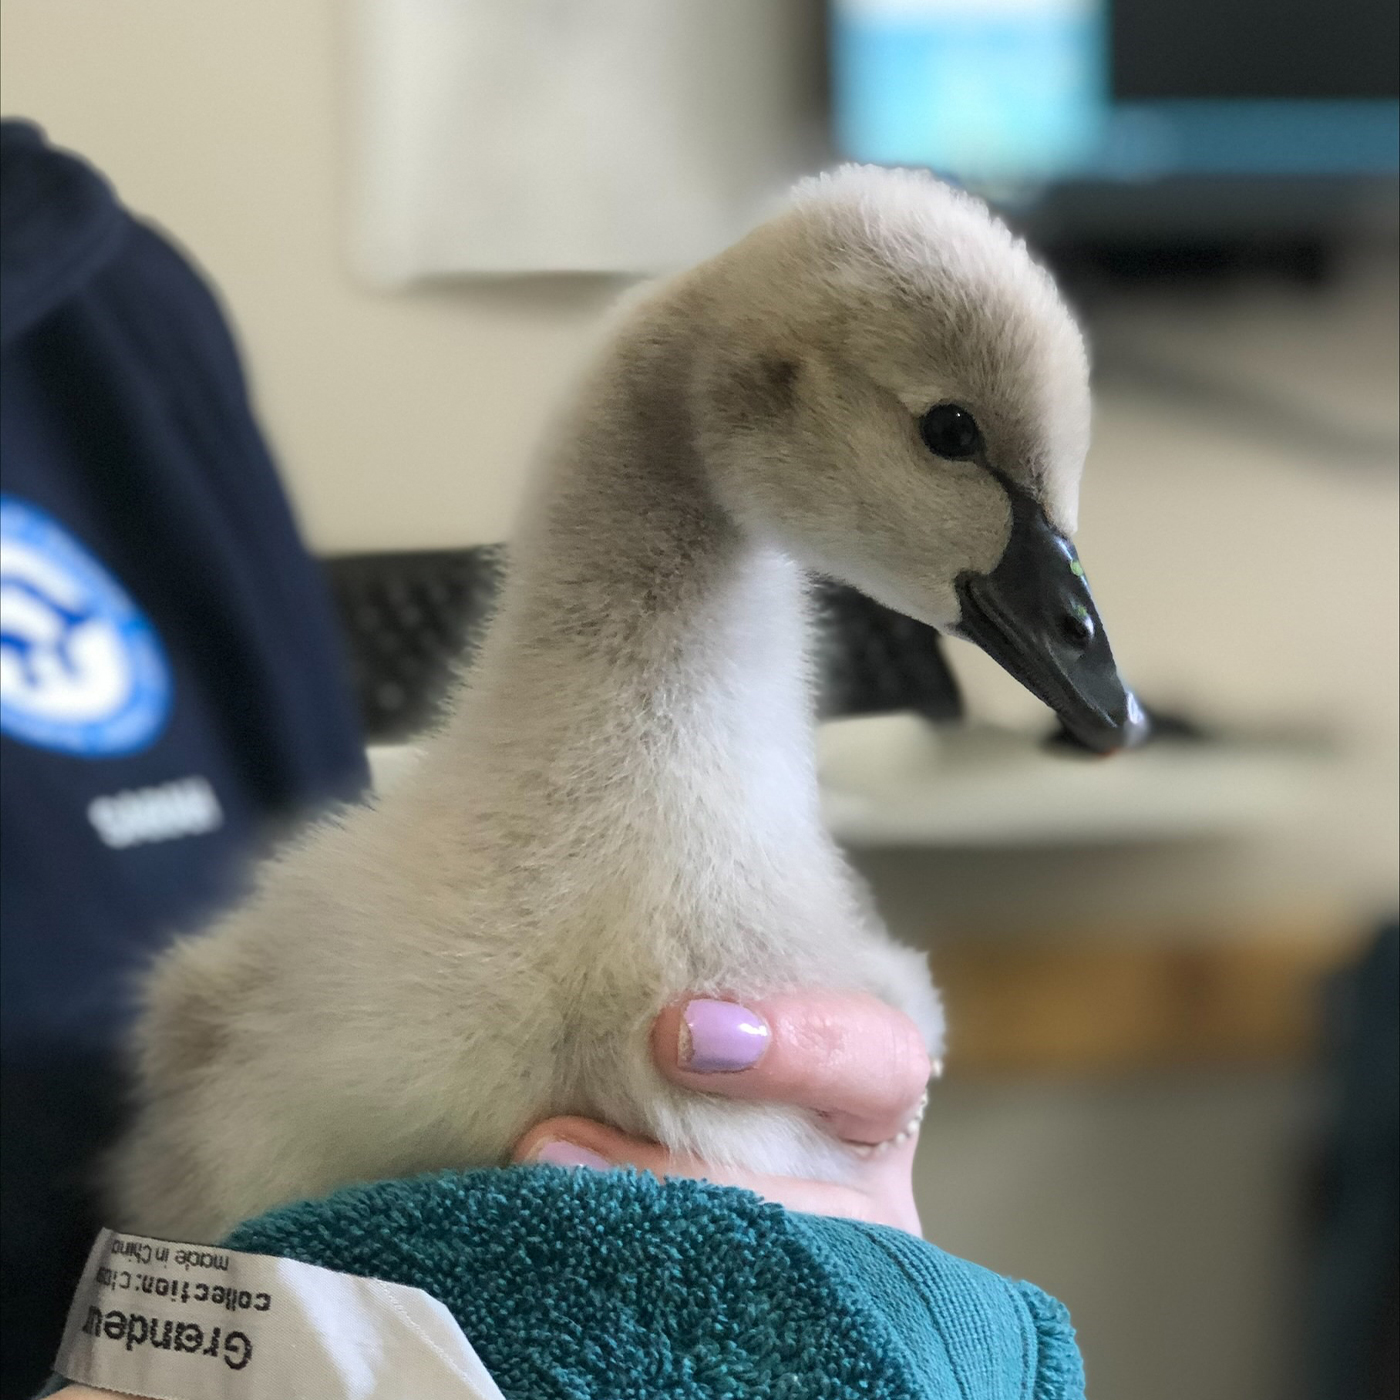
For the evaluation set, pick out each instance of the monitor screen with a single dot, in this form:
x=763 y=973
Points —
x=1007 y=90
x=1284 y=50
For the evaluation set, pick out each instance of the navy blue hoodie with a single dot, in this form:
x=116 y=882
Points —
x=171 y=682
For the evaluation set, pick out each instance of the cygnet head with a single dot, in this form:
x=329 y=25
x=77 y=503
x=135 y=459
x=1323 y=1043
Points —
x=894 y=392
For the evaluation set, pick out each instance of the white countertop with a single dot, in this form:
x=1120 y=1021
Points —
x=896 y=781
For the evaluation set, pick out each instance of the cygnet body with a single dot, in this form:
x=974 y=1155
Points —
x=879 y=384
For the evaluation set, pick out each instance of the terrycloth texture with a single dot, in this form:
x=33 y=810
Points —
x=612 y=1286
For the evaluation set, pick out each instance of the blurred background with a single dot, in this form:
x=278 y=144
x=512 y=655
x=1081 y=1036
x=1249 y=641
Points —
x=1167 y=1004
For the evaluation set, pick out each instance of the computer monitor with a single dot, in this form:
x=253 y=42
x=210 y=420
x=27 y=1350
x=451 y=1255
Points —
x=1006 y=91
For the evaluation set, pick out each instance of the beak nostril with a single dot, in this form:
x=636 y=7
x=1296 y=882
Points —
x=1077 y=628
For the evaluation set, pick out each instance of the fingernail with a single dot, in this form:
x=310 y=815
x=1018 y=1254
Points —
x=718 y=1037
x=558 y=1153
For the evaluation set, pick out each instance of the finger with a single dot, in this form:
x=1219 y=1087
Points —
x=882 y=1196
x=859 y=1063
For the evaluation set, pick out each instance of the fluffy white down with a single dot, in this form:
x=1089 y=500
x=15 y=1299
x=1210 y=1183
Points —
x=622 y=805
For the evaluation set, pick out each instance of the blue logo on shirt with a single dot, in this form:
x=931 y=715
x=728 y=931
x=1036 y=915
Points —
x=81 y=669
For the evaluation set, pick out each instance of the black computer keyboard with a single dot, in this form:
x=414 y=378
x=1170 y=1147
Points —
x=411 y=619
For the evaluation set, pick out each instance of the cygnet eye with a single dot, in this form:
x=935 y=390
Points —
x=950 y=431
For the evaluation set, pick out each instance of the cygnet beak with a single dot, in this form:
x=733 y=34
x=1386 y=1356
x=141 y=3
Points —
x=1034 y=615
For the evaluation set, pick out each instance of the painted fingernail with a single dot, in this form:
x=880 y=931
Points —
x=719 y=1037
x=558 y=1153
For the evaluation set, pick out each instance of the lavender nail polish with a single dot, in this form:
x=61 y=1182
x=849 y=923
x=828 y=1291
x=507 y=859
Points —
x=719 y=1037
x=558 y=1153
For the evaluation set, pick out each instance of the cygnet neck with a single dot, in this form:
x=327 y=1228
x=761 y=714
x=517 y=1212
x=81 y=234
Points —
x=639 y=620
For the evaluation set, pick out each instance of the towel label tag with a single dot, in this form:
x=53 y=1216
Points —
x=198 y=1322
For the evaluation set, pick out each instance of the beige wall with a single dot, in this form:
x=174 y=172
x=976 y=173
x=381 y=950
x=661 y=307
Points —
x=399 y=420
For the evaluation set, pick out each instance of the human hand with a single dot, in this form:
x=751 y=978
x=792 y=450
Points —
x=856 y=1062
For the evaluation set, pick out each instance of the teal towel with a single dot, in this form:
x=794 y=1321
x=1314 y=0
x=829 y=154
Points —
x=583 y=1285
